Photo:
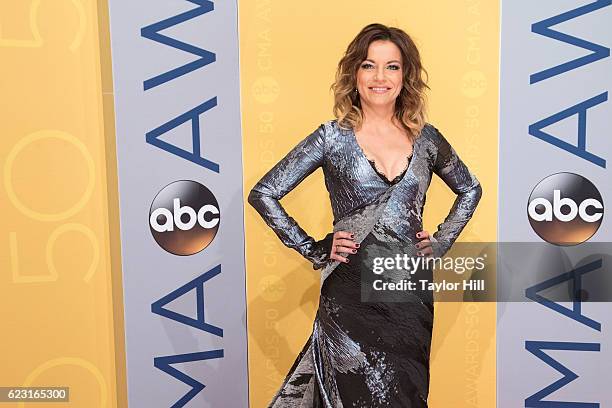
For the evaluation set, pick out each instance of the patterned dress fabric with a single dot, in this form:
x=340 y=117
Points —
x=365 y=353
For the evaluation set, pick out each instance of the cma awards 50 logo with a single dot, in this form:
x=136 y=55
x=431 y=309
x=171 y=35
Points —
x=565 y=209
x=184 y=217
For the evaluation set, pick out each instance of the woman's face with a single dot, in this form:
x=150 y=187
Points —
x=380 y=76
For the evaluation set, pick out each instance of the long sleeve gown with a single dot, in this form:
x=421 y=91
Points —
x=364 y=352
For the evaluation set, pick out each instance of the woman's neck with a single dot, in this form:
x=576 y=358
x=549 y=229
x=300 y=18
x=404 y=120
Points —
x=378 y=116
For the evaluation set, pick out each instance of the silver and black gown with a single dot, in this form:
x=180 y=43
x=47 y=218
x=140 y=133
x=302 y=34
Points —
x=365 y=353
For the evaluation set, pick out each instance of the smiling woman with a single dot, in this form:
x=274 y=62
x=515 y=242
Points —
x=369 y=353
x=379 y=82
x=379 y=78
x=381 y=57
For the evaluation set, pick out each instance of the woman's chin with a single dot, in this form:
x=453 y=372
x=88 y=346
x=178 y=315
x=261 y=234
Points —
x=380 y=101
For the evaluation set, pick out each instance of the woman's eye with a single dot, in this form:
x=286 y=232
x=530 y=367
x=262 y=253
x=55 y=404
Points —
x=394 y=67
x=367 y=66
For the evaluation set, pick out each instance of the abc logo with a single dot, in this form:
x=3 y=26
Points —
x=565 y=209
x=184 y=217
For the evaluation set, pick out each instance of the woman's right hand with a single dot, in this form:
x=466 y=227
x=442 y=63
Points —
x=343 y=243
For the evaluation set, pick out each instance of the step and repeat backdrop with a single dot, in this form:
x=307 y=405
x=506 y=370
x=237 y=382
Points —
x=132 y=131
x=554 y=184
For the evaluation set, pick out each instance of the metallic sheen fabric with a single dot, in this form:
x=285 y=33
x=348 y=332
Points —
x=364 y=354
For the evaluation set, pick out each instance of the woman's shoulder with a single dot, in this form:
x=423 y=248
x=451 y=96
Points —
x=332 y=133
x=432 y=135
x=430 y=132
x=332 y=128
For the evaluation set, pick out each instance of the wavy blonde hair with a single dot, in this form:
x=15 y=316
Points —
x=410 y=105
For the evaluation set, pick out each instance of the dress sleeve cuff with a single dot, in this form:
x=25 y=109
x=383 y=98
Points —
x=320 y=251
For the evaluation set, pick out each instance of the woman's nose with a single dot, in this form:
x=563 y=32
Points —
x=380 y=73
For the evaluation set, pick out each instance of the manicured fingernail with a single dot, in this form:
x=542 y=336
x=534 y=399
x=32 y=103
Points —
x=418 y=235
x=357 y=245
x=417 y=246
x=347 y=261
x=354 y=251
x=352 y=235
x=419 y=253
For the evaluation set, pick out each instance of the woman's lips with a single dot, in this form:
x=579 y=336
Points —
x=379 y=89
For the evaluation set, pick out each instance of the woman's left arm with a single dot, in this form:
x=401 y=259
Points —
x=449 y=167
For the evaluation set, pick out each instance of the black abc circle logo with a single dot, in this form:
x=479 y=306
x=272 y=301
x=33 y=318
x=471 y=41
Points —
x=565 y=209
x=184 y=217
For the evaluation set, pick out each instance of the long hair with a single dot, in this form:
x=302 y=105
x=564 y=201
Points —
x=410 y=105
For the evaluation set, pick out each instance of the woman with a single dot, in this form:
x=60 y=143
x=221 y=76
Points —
x=377 y=158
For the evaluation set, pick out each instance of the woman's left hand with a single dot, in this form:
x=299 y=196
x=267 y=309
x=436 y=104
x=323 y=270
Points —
x=424 y=246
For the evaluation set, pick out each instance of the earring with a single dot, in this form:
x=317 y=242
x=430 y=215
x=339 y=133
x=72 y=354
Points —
x=356 y=91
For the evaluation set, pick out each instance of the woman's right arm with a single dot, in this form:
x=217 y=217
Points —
x=265 y=197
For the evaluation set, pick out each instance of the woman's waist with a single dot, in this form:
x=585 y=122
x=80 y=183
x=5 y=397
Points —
x=403 y=231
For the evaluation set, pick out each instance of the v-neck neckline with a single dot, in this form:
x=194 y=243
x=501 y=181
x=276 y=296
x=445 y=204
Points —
x=379 y=175
x=397 y=178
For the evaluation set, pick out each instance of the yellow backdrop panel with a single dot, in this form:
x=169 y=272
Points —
x=289 y=53
x=58 y=203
